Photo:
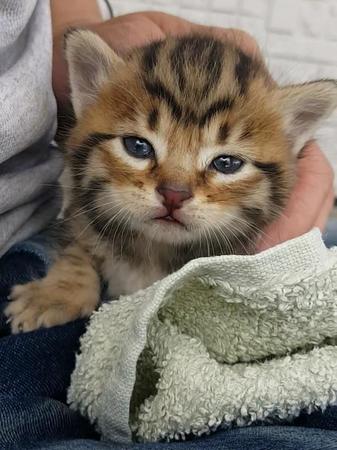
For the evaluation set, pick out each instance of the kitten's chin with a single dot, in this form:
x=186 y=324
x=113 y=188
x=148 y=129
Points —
x=168 y=232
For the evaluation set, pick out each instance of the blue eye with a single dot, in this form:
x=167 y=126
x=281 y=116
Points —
x=138 y=147
x=227 y=164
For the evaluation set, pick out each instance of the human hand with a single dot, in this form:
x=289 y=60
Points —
x=138 y=29
x=310 y=202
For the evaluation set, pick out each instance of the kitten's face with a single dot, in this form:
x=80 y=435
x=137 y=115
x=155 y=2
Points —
x=184 y=142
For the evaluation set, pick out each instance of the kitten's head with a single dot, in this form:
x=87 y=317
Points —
x=185 y=140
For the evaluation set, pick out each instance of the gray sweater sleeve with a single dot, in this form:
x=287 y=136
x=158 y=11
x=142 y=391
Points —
x=29 y=165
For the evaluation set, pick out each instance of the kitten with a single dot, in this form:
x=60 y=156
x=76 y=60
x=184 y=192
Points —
x=185 y=148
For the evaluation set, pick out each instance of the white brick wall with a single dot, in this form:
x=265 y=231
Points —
x=298 y=37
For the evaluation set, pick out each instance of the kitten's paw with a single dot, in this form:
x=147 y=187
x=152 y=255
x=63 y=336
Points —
x=42 y=304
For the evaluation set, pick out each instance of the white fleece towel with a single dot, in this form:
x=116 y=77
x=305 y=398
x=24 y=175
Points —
x=225 y=340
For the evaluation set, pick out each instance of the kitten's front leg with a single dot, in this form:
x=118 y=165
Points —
x=69 y=291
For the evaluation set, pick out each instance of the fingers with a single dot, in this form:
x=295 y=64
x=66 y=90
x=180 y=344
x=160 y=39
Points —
x=127 y=32
x=162 y=24
x=169 y=25
x=239 y=38
x=310 y=202
x=138 y=29
x=313 y=190
x=325 y=212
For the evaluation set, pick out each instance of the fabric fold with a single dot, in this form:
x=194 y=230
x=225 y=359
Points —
x=224 y=341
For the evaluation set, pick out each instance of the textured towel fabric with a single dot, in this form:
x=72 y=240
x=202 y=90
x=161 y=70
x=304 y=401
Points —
x=225 y=340
x=29 y=166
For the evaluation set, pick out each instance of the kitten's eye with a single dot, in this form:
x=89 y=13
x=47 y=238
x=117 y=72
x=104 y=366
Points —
x=138 y=147
x=227 y=164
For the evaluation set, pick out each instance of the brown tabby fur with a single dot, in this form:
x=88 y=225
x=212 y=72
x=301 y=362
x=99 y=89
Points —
x=194 y=98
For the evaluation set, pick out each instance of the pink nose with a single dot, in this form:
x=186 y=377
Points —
x=173 y=196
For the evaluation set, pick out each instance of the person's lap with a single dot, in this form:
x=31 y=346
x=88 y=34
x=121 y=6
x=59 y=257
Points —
x=35 y=367
x=35 y=373
x=254 y=438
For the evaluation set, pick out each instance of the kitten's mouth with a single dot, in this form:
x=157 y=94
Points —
x=170 y=220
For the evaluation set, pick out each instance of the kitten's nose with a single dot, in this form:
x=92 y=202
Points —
x=174 y=196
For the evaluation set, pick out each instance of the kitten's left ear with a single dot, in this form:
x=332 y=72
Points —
x=304 y=107
x=91 y=63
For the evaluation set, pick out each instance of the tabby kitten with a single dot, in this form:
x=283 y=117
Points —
x=185 y=148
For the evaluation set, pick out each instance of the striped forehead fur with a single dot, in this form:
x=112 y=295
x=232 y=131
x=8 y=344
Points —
x=197 y=77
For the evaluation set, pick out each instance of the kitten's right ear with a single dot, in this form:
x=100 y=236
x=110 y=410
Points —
x=304 y=107
x=90 y=63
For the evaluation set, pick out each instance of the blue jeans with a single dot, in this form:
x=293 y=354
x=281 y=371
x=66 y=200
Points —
x=254 y=438
x=35 y=371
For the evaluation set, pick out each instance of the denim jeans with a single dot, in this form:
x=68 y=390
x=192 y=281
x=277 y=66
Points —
x=35 y=367
x=35 y=371
x=254 y=438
